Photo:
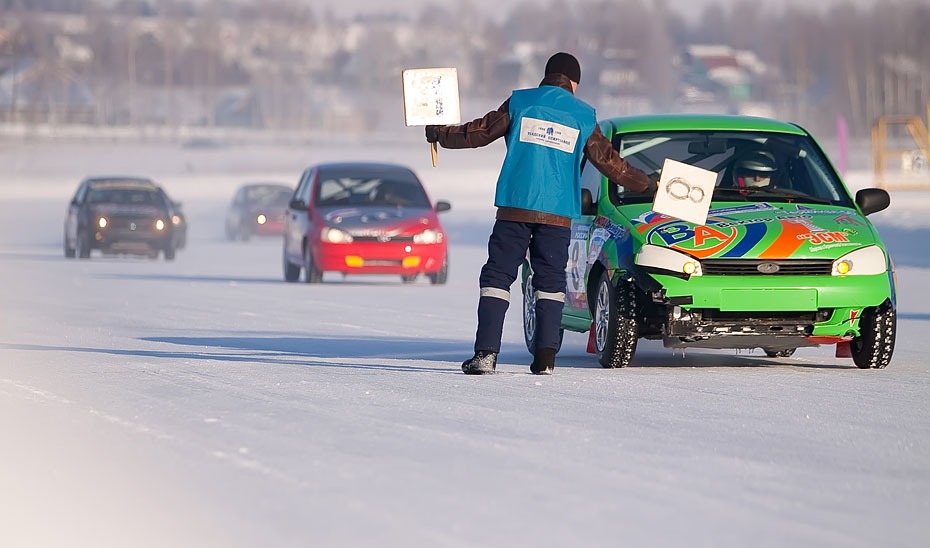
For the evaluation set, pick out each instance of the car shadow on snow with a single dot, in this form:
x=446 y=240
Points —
x=328 y=279
x=285 y=351
x=409 y=355
x=651 y=354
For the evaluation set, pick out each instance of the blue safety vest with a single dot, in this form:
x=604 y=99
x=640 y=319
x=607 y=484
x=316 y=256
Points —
x=545 y=143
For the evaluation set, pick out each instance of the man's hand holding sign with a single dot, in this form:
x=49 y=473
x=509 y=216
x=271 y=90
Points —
x=684 y=192
x=431 y=97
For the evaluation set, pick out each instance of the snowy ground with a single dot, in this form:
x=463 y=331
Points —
x=207 y=403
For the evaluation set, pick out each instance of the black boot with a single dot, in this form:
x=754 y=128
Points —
x=543 y=361
x=482 y=363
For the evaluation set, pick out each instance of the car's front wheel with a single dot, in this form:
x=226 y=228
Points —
x=312 y=275
x=83 y=245
x=169 y=253
x=783 y=353
x=291 y=270
x=529 y=315
x=873 y=348
x=70 y=252
x=440 y=276
x=615 y=323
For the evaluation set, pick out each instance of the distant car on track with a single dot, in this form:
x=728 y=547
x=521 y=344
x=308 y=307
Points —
x=785 y=259
x=120 y=215
x=364 y=218
x=257 y=209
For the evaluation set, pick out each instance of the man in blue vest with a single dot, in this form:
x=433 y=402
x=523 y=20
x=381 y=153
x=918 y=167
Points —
x=548 y=131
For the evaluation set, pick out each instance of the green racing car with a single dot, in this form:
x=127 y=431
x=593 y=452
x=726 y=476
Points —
x=785 y=259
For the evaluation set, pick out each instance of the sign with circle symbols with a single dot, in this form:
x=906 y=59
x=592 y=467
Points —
x=684 y=192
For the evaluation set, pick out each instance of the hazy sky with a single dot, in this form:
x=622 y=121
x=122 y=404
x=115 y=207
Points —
x=350 y=7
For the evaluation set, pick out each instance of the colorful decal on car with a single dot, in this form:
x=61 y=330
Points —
x=577 y=265
x=853 y=314
x=698 y=241
x=755 y=230
x=847 y=220
x=598 y=237
x=821 y=241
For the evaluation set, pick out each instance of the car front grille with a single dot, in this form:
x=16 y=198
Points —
x=749 y=267
x=141 y=224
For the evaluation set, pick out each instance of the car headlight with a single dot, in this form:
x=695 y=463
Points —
x=428 y=236
x=664 y=258
x=261 y=219
x=175 y=220
x=159 y=225
x=335 y=236
x=102 y=222
x=866 y=261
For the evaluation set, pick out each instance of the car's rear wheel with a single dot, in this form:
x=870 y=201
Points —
x=529 y=316
x=873 y=348
x=440 y=276
x=783 y=353
x=615 y=323
x=312 y=275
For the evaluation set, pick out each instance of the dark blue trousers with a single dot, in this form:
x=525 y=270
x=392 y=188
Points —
x=507 y=247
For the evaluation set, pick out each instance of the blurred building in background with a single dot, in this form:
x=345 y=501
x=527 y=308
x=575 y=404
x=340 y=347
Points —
x=173 y=67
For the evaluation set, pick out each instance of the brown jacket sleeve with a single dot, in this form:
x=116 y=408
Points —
x=479 y=132
x=602 y=154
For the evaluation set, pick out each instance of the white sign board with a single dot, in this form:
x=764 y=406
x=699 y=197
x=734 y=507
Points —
x=431 y=97
x=684 y=192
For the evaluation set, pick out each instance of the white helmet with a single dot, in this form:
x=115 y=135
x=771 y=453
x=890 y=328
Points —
x=755 y=170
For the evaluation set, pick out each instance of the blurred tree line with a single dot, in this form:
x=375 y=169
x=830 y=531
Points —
x=282 y=64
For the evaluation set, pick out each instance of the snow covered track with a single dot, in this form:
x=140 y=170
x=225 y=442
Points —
x=206 y=402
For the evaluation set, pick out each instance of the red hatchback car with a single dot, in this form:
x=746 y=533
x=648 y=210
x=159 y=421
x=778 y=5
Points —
x=364 y=218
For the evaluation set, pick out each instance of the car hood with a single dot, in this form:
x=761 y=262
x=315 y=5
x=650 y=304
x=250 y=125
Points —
x=758 y=231
x=375 y=221
x=127 y=210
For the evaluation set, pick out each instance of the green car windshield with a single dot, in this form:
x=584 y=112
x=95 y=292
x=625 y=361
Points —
x=751 y=166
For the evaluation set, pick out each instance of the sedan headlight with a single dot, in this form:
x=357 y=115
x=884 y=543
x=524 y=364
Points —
x=175 y=220
x=664 y=258
x=261 y=219
x=865 y=261
x=335 y=236
x=159 y=225
x=428 y=236
x=102 y=222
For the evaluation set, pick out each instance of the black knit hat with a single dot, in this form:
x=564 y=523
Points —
x=564 y=63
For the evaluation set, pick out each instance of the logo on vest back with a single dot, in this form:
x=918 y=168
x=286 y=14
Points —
x=548 y=134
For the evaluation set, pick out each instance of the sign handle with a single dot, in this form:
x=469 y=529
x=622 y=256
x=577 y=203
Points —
x=433 y=149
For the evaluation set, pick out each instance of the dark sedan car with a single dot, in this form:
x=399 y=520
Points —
x=120 y=215
x=257 y=209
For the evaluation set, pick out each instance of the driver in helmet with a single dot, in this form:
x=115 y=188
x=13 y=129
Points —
x=755 y=170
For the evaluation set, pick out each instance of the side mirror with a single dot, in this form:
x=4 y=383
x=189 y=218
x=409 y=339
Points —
x=297 y=203
x=588 y=207
x=443 y=205
x=872 y=200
